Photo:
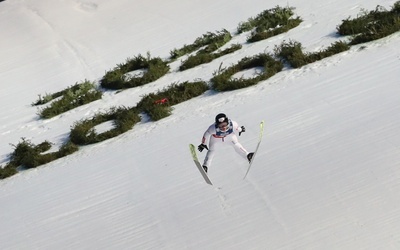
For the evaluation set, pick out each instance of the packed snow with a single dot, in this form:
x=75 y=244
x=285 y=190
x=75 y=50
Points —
x=326 y=176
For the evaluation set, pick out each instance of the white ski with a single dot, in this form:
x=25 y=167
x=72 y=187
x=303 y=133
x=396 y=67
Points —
x=196 y=161
x=258 y=145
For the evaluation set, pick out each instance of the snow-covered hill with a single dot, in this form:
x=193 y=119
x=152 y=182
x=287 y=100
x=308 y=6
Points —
x=326 y=177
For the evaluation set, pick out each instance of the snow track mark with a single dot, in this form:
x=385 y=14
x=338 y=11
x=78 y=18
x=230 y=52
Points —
x=86 y=6
x=225 y=206
x=62 y=40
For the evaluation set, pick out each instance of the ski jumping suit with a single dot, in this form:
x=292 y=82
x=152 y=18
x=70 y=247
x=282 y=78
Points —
x=218 y=138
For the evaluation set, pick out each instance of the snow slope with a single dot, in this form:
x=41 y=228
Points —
x=326 y=176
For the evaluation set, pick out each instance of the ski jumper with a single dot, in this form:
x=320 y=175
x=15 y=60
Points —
x=217 y=138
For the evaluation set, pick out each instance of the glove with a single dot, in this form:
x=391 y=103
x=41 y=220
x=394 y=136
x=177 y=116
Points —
x=243 y=130
x=201 y=147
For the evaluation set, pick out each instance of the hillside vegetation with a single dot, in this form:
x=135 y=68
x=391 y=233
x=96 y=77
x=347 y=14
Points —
x=141 y=70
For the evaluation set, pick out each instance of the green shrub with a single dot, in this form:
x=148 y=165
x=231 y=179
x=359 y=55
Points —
x=72 y=97
x=67 y=149
x=114 y=79
x=267 y=33
x=217 y=41
x=28 y=155
x=159 y=112
x=47 y=98
x=372 y=25
x=7 y=171
x=25 y=154
x=83 y=132
x=43 y=147
x=75 y=88
x=247 y=25
x=153 y=68
x=158 y=105
x=212 y=41
x=269 y=23
x=291 y=52
x=354 y=26
x=195 y=60
x=334 y=48
x=223 y=81
x=203 y=57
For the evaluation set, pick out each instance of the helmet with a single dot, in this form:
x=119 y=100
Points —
x=220 y=118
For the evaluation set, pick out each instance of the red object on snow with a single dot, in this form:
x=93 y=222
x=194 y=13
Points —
x=161 y=101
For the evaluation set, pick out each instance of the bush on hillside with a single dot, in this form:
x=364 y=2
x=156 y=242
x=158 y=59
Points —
x=372 y=25
x=7 y=171
x=269 y=23
x=152 y=68
x=203 y=57
x=267 y=33
x=28 y=155
x=83 y=132
x=70 y=98
x=223 y=80
x=49 y=97
x=211 y=42
x=292 y=53
x=158 y=105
